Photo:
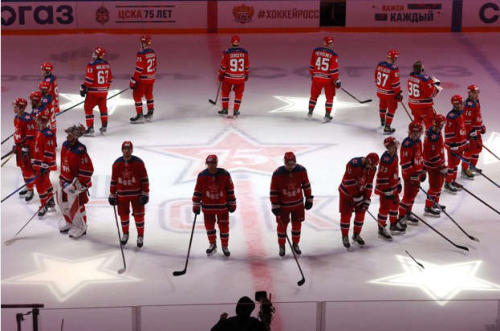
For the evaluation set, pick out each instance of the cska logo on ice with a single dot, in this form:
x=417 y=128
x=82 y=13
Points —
x=243 y=14
x=102 y=15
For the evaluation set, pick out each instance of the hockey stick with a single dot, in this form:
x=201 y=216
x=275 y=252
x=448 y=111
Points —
x=9 y=153
x=122 y=270
x=19 y=188
x=479 y=171
x=449 y=216
x=486 y=148
x=406 y=111
x=183 y=271
x=216 y=96
x=478 y=198
x=352 y=96
x=439 y=233
x=303 y=280
x=408 y=253
x=4 y=162
x=7 y=138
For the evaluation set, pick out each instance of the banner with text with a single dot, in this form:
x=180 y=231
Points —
x=477 y=13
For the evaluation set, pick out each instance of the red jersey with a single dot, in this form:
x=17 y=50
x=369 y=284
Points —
x=129 y=179
x=45 y=150
x=25 y=132
x=433 y=150
x=387 y=79
x=388 y=174
x=98 y=77
x=234 y=65
x=214 y=191
x=53 y=90
x=324 y=64
x=145 y=66
x=287 y=187
x=412 y=158
x=75 y=163
x=421 y=90
x=472 y=116
x=357 y=179
x=455 y=132
x=46 y=107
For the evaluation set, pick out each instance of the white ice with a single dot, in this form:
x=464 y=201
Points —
x=44 y=266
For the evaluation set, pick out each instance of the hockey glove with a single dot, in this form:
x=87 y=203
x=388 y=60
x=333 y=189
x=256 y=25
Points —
x=196 y=210
x=483 y=129
x=83 y=90
x=454 y=148
x=231 y=208
x=365 y=205
x=389 y=195
x=276 y=211
x=399 y=96
x=309 y=204
x=423 y=176
x=133 y=83
x=436 y=81
x=25 y=153
x=246 y=77
x=143 y=199
x=44 y=168
x=338 y=84
x=113 y=201
x=358 y=201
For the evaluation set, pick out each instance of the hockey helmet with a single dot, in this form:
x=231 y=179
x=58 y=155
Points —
x=44 y=86
x=373 y=159
x=439 y=120
x=99 y=52
x=128 y=144
x=35 y=95
x=47 y=66
x=415 y=127
x=456 y=100
x=145 y=40
x=328 y=40
x=212 y=158
x=289 y=156
x=21 y=103
x=235 y=40
x=390 y=141
x=392 y=54
x=473 y=88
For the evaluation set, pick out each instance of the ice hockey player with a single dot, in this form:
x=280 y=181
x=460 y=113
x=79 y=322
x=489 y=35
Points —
x=43 y=162
x=354 y=195
x=95 y=90
x=455 y=140
x=474 y=128
x=142 y=82
x=35 y=99
x=214 y=193
x=233 y=73
x=388 y=89
x=435 y=165
x=388 y=187
x=412 y=168
x=75 y=180
x=421 y=90
x=24 y=145
x=289 y=185
x=324 y=70
x=47 y=105
x=49 y=77
x=129 y=186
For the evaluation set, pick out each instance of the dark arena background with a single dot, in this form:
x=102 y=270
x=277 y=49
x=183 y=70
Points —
x=169 y=77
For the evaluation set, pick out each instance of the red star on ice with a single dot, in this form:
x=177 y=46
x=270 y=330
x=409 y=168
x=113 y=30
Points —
x=236 y=151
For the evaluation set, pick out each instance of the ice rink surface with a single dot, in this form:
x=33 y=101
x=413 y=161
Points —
x=44 y=266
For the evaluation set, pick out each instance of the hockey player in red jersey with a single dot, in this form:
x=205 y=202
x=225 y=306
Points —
x=95 y=90
x=75 y=180
x=49 y=77
x=324 y=70
x=47 y=105
x=388 y=186
x=474 y=128
x=421 y=90
x=412 y=168
x=388 y=89
x=35 y=99
x=43 y=162
x=24 y=145
x=435 y=165
x=233 y=73
x=143 y=80
x=287 y=200
x=129 y=186
x=214 y=193
x=455 y=142
x=354 y=195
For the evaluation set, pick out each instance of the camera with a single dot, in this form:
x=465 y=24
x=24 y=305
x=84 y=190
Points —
x=266 y=310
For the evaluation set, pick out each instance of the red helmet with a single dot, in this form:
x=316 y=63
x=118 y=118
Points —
x=373 y=159
x=99 y=52
x=439 y=120
x=289 y=156
x=456 y=100
x=390 y=141
x=392 y=54
x=21 y=102
x=235 y=40
x=43 y=86
x=47 y=66
x=328 y=40
x=473 y=88
x=35 y=95
x=145 y=40
x=127 y=144
x=212 y=158
x=415 y=127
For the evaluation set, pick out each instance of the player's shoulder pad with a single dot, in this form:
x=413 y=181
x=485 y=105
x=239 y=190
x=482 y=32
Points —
x=469 y=103
x=136 y=159
x=222 y=171
x=425 y=77
x=453 y=114
x=386 y=158
x=299 y=168
x=119 y=160
x=408 y=142
x=79 y=148
x=433 y=136
x=393 y=66
x=27 y=117
x=48 y=132
x=280 y=171
x=204 y=173
x=49 y=78
x=356 y=162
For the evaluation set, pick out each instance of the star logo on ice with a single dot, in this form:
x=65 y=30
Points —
x=440 y=282
x=65 y=277
x=73 y=99
x=236 y=151
x=301 y=104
